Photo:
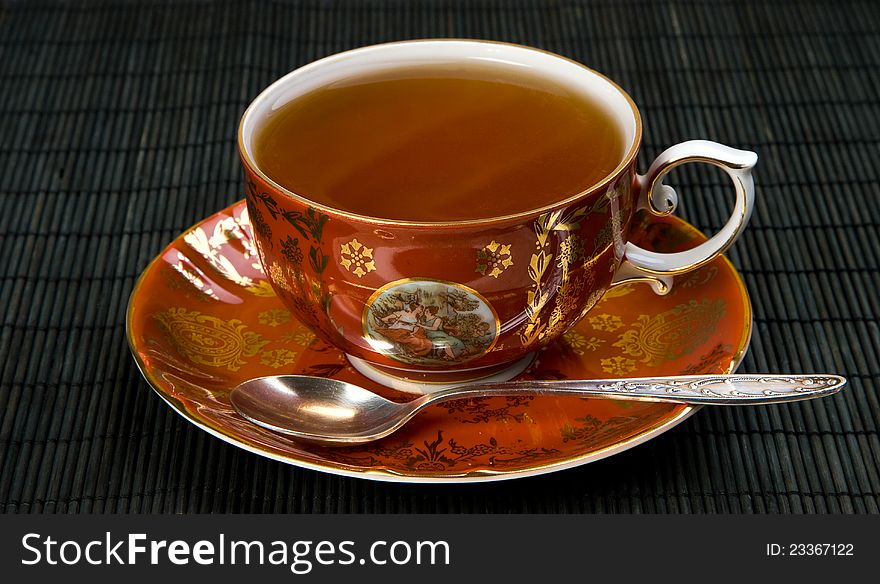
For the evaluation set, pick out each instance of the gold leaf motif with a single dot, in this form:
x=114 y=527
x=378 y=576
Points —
x=538 y=265
x=357 y=258
x=700 y=277
x=304 y=338
x=591 y=430
x=604 y=236
x=672 y=334
x=618 y=365
x=278 y=358
x=494 y=258
x=277 y=275
x=576 y=341
x=555 y=324
x=565 y=222
x=274 y=317
x=208 y=340
x=605 y=322
x=570 y=251
x=711 y=362
x=580 y=343
x=567 y=298
x=594 y=343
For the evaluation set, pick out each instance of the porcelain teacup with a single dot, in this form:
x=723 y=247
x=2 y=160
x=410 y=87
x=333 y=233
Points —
x=469 y=299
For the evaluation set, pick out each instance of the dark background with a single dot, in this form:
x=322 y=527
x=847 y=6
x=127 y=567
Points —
x=117 y=131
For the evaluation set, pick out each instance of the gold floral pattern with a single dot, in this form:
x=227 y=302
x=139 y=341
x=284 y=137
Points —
x=478 y=410
x=541 y=259
x=580 y=343
x=671 y=334
x=440 y=455
x=605 y=322
x=618 y=365
x=576 y=341
x=567 y=298
x=277 y=275
x=604 y=236
x=698 y=278
x=357 y=258
x=710 y=362
x=208 y=340
x=590 y=428
x=564 y=223
x=494 y=258
x=555 y=324
x=570 y=251
x=480 y=439
x=276 y=358
x=310 y=224
x=299 y=273
x=594 y=344
x=304 y=338
x=274 y=317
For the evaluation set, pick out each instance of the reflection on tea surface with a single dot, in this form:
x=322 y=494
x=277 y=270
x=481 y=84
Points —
x=439 y=143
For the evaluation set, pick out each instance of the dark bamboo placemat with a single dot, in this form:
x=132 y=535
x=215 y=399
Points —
x=117 y=124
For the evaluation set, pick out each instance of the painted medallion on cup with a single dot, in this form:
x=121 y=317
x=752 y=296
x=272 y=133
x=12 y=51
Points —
x=430 y=322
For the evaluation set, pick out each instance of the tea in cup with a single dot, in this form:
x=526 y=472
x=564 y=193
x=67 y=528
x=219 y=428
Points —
x=441 y=209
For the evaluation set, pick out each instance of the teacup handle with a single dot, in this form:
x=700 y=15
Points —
x=661 y=199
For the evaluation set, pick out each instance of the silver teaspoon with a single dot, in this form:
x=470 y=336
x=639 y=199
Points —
x=332 y=412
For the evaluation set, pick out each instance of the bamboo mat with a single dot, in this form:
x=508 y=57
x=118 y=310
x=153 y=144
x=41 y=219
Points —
x=117 y=123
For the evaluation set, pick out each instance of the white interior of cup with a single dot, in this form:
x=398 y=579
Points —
x=378 y=58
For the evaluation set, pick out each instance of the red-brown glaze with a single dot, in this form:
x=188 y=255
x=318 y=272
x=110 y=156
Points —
x=303 y=250
x=203 y=319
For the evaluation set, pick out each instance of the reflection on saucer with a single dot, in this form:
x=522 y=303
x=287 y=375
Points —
x=203 y=318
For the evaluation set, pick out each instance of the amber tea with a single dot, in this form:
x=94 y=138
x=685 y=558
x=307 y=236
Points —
x=440 y=143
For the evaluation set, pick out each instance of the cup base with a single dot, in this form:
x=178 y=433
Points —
x=423 y=383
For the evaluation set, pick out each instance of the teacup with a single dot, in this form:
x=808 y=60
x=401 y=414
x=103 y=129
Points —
x=374 y=287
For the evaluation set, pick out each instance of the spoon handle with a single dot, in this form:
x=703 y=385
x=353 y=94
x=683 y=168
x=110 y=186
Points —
x=689 y=389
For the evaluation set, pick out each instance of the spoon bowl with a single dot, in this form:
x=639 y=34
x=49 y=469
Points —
x=308 y=407
x=333 y=412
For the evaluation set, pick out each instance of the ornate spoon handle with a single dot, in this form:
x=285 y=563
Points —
x=690 y=389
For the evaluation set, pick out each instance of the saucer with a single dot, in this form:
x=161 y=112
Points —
x=203 y=318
